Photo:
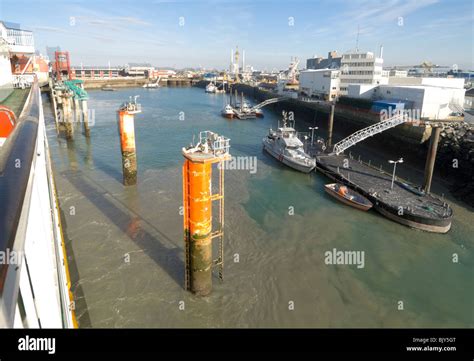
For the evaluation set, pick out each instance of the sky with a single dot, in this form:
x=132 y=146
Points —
x=202 y=33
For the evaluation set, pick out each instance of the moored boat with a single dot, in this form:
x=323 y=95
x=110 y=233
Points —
x=211 y=88
x=348 y=196
x=228 y=112
x=284 y=145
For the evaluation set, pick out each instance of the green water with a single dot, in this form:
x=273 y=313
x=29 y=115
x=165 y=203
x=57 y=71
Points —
x=279 y=224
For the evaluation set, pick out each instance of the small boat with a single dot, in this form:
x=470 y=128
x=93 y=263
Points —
x=152 y=85
x=228 y=112
x=107 y=88
x=259 y=113
x=348 y=196
x=284 y=145
x=211 y=88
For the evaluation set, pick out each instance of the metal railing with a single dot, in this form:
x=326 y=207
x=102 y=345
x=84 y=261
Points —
x=369 y=132
x=23 y=81
x=219 y=145
x=20 y=37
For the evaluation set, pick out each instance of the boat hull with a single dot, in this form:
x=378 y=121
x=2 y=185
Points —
x=296 y=166
x=333 y=193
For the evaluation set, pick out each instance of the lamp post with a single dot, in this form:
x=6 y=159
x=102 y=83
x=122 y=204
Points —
x=394 y=162
x=312 y=133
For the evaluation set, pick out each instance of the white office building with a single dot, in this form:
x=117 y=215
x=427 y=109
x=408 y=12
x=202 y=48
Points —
x=361 y=68
x=432 y=98
x=320 y=83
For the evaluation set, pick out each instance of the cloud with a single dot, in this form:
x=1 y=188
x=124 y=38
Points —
x=111 y=22
x=50 y=29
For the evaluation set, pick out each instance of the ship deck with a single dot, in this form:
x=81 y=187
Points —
x=16 y=100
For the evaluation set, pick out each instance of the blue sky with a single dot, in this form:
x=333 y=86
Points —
x=271 y=32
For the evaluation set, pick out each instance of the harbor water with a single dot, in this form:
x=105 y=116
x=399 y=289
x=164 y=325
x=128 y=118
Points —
x=125 y=244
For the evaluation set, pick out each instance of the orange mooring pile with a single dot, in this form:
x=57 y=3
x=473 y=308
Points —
x=197 y=217
x=126 y=125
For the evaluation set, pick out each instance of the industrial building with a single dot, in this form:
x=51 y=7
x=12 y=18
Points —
x=138 y=69
x=93 y=72
x=321 y=83
x=395 y=73
x=362 y=68
x=431 y=98
x=333 y=61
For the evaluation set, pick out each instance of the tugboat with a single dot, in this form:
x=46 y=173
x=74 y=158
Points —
x=284 y=145
x=228 y=112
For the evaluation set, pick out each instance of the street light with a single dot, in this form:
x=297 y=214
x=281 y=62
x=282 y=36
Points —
x=394 y=162
x=312 y=133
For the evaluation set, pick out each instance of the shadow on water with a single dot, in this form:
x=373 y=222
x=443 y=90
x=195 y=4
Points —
x=93 y=161
x=130 y=223
x=79 y=296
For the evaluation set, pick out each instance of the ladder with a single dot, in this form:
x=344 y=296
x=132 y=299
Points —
x=370 y=131
x=218 y=235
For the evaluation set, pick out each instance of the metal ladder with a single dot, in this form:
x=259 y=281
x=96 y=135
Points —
x=219 y=233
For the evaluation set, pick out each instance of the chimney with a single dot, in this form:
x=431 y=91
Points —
x=381 y=52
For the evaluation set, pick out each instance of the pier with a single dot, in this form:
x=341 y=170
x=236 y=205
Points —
x=404 y=203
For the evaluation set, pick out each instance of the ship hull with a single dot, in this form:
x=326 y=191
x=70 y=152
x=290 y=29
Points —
x=282 y=159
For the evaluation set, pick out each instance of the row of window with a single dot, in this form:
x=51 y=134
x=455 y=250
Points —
x=357 y=81
x=357 y=64
x=358 y=72
x=356 y=56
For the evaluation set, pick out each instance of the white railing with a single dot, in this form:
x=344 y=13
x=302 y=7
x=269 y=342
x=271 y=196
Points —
x=365 y=133
x=220 y=145
x=23 y=81
x=20 y=37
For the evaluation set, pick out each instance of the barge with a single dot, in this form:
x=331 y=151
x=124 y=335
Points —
x=400 y=203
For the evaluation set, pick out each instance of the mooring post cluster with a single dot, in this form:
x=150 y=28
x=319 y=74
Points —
x=70 y=106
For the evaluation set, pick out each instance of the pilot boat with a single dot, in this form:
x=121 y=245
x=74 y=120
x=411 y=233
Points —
x=284 y=145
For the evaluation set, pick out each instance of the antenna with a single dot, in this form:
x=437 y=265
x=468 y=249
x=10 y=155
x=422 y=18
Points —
x=357 y=38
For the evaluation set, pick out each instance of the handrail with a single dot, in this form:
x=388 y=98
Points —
x=14 y=185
